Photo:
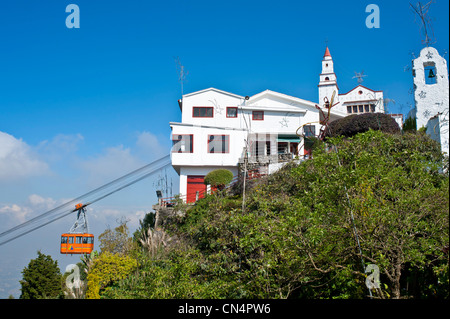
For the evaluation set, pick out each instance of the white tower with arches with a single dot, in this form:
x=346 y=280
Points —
x=328 y=80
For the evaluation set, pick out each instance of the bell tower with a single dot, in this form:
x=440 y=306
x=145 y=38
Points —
x=328 y=82
x=431 y=95
x=430 y=76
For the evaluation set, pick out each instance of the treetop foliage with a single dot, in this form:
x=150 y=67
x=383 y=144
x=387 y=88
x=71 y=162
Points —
x=360 y=123
x=218 y=178
x=41 y=278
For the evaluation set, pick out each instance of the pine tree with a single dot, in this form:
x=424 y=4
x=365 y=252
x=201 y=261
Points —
x=41 y=279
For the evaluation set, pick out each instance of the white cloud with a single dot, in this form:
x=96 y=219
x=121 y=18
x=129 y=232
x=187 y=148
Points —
x=58 y=147
x=18 y=160
x=35 y=204
x=113 y=163
x=15 y=214
x=111 y=217
x=150 y=146
x=40 y=202
x=119 y=160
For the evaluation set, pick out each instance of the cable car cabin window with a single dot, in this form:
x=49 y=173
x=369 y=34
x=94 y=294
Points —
x=78 y=241
x=70 y=240
x=88 y=240
x=63 y=240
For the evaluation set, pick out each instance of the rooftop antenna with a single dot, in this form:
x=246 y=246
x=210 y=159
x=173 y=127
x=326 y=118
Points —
x=425 y=21
x=182 y=73
x=359 y=76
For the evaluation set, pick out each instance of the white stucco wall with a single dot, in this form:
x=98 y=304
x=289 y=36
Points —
x=438 y=129
x=430 y=99
x=328 y=82
x=200 y=155
x=217 y=99
x=361 y=95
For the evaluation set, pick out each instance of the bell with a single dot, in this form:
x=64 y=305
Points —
x=431 y=74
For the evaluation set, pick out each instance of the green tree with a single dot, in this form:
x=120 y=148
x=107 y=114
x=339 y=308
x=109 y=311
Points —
x=117 y=240
x=41 y=278
x=297 y=237
x=388 y=190
x=410 y=124
x=144 y=225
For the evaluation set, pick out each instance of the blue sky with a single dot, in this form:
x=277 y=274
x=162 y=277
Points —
x=80 y=107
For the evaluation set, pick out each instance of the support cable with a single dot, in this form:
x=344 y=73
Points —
x=89 y=198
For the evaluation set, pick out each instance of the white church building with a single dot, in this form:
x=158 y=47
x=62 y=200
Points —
x=219 y=129
x=356 y=101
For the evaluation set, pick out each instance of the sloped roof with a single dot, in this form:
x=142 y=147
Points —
x=359 y=86
x=288 y=98
x=215 y=90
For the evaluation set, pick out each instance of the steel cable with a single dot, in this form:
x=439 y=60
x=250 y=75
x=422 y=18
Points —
x=99 y=193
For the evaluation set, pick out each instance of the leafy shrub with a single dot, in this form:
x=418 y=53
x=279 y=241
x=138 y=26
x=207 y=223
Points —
x=181 y=276
x=354 y=124
x=218 y=178
x=106 y=269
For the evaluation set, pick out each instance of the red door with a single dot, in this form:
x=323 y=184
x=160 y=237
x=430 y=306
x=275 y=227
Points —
x=195 y=183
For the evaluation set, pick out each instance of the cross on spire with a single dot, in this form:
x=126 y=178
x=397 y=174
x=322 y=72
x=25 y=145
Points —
x=359 y=76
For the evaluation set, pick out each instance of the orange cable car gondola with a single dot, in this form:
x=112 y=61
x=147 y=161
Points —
x=78 y=240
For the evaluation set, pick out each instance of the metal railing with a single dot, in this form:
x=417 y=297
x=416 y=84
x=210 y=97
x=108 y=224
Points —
x=172 y=201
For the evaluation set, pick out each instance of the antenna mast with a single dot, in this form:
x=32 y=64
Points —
x=182 y=73
x=422 y=12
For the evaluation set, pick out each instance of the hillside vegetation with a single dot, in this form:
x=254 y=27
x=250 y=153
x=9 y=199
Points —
x=299 y=232
x=296 y=237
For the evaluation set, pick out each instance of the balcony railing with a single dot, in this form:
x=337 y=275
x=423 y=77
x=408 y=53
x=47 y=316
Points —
x=268 y=159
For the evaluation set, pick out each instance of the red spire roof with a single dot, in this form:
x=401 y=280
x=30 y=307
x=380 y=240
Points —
x=327 y=53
